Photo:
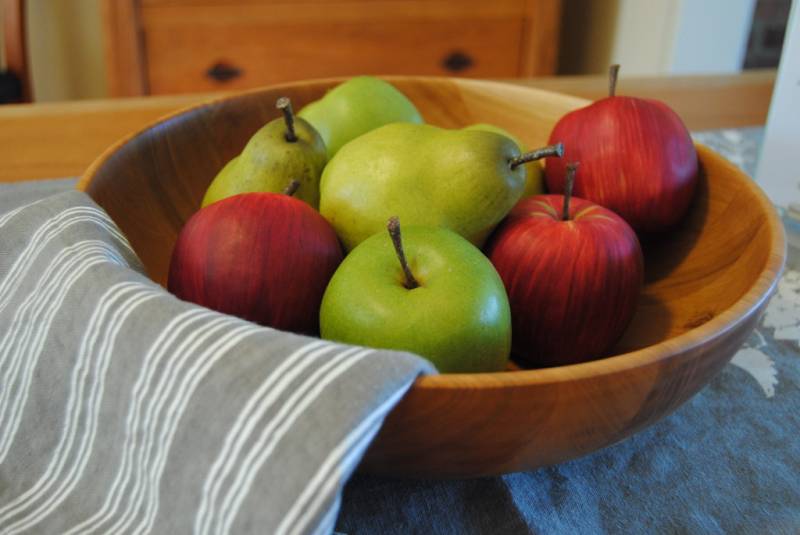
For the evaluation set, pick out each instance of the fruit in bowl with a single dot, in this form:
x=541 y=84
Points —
x=281 y=151
x=264 y=257
x=465 y=180
x=355 y=107
x=705 y=285
x=573 y=271
x=636 y=155
x=428 y=291
x=534 y=181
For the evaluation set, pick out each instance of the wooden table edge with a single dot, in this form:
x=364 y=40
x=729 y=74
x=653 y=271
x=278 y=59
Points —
x=52 y=140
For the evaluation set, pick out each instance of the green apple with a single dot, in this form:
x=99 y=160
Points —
x=464 y=180
x=355 y=107
x=441 y=299
x=534 y=183
x=281 y=151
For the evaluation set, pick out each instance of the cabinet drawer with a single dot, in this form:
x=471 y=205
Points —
x=171 y=46
x=232 y=56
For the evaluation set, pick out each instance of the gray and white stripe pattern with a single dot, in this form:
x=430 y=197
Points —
x=125 y=410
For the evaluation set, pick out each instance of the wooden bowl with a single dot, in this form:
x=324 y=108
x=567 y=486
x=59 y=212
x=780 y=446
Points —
x=706 y=285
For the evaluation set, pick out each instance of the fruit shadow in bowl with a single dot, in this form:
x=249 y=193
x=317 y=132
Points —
x=683 y=267
x=667 y=250
x=664 y=255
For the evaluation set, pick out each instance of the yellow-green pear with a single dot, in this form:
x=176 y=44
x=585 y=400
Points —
x=534 y=184
x=222 y=183
x=283 y=150
x=464 y=180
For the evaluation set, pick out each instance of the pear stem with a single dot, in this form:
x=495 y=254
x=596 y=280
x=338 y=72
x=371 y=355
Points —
x=394 y=231
x=285 y=105
x=538 y=154
x=291 y=188
x=572 y=167
x=613 y=72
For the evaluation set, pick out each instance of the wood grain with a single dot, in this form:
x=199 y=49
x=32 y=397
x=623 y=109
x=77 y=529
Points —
x=706 y=285
x=53 y=140
x=124 y=53
x=172 y=13
x=272 y=53
x=16 y=45
x=62 y=139
x=539 y=48
x=168 y=46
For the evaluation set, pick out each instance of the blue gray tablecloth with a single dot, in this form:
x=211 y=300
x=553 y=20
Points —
x=728 y=461
x=126 y=410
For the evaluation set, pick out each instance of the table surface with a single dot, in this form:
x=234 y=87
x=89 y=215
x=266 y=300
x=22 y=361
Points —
x=61 y=139
x=724 y=462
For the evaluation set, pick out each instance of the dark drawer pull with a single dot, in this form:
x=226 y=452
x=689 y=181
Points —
x=457 y=61
x=223 y=72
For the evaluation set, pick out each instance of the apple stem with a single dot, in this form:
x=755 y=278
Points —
x=291 y=188
x=613 y=72
x=397 y=240
x=538 y=154
x=285 y=105
x=572 y=167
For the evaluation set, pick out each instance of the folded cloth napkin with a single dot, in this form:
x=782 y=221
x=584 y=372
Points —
x=126 y=410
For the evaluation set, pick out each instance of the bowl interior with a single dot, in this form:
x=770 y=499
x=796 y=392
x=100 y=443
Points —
x=153 y=181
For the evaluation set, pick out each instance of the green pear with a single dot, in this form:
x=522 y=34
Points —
x=218 y=188
x=283 y=150
x=464 y=180
x=355 y=107
x=486 y=127
x=432 y=293
x=534 y=183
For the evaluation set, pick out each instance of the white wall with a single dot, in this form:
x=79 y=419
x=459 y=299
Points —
x=778 y=172
x=644 y=34
x=655 y=37
x=711 y=36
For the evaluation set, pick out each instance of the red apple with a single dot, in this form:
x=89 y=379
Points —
x=572 y=282
x=637 y=159
x=264 y=257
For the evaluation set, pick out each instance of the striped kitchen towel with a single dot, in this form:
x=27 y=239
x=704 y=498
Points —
x=126 y=410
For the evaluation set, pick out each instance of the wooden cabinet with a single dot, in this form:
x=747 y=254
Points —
x=178 y=46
